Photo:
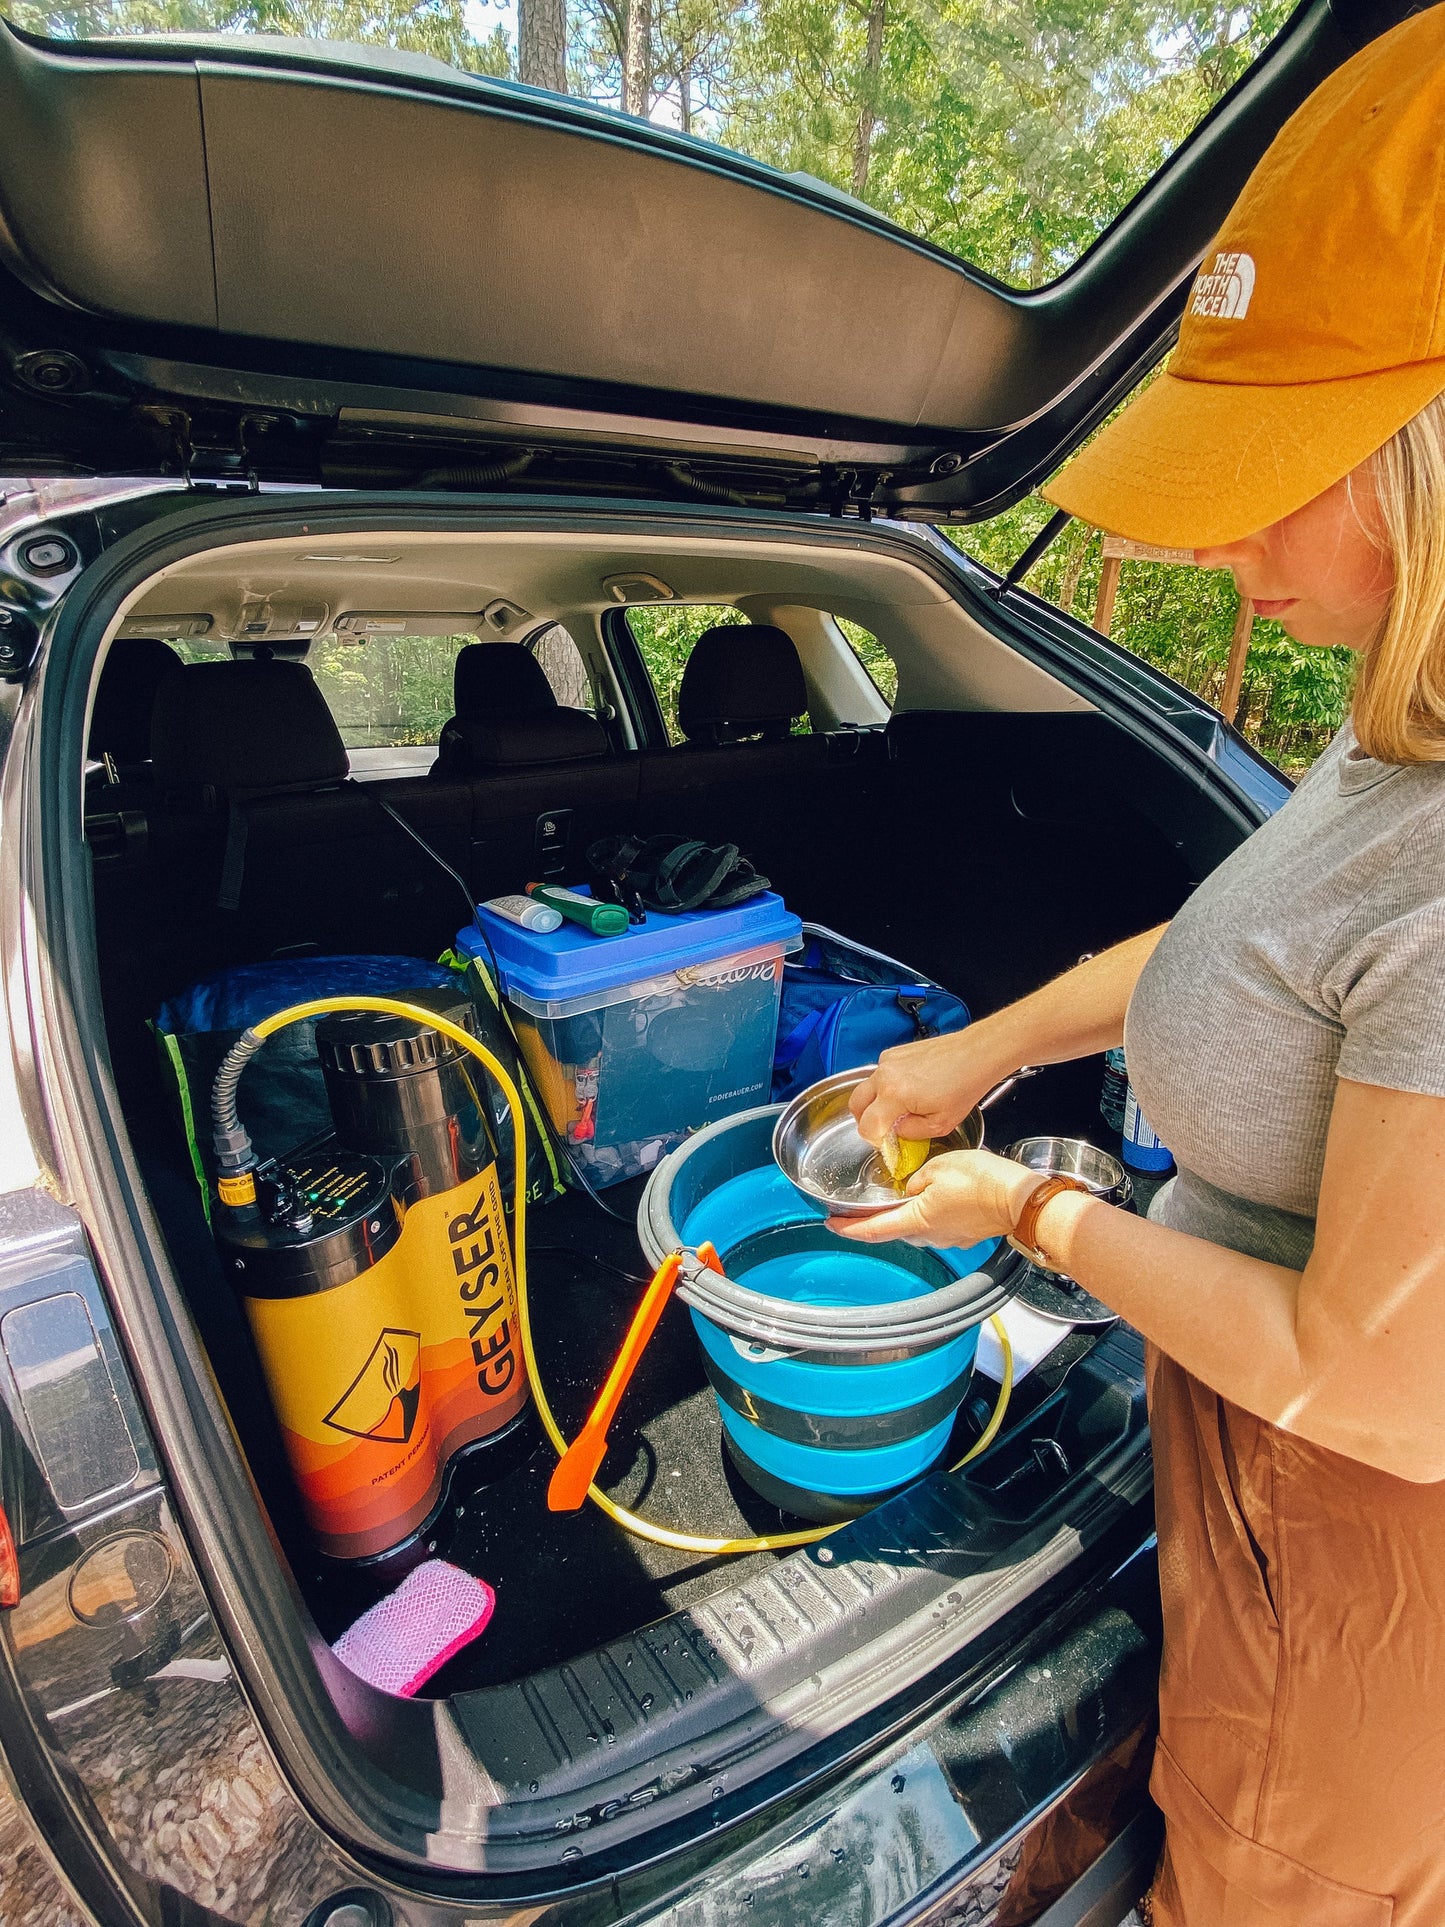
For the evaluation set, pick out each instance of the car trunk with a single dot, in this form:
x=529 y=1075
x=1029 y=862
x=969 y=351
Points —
x=979 y=882
x=624 y=1690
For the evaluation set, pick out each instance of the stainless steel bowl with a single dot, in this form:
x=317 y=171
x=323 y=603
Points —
x=817 y=1145
x=1075 y=1157
x=1045 y=1290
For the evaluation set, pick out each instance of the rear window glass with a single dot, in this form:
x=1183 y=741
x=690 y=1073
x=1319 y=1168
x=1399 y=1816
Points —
x=388 y=691
x=1010 y=134
x=882 y=669
x=564 y=669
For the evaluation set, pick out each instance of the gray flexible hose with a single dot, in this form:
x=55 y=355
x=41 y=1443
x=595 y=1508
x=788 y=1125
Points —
x=231 y=1139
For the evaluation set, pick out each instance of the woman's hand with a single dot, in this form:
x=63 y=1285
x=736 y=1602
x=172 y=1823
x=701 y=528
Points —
x=956 y=1200
x=922 y=1090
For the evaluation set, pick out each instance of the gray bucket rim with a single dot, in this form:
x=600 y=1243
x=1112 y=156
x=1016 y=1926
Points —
x=656 y=1232
x=756 y=1315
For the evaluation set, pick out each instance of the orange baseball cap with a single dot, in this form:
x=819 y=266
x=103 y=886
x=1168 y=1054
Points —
x=1315 y=328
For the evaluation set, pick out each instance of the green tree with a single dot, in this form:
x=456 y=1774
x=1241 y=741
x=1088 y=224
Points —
x=1009 y=131
x=435 y=27
x=1181 y=620
x=665 y=633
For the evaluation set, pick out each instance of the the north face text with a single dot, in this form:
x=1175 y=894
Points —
x=1224 y=288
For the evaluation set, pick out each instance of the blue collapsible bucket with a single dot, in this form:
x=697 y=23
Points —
x=823 y=1432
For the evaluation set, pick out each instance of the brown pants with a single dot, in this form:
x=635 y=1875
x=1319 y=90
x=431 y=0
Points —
x=1301 y=1757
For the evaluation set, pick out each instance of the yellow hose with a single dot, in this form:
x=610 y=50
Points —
x=629 y=1521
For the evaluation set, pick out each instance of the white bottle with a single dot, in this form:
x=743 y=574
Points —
x=538 y=917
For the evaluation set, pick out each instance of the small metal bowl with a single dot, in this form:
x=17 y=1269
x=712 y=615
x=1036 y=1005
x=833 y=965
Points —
x=818 y=1147
x=1075 y=1157
x=1044 y=1289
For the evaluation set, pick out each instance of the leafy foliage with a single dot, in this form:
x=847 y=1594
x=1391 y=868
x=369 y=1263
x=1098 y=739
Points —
x=665 y=633
x=874 y=658
x=436 y=27
x=1181 y=620
x=393 y=689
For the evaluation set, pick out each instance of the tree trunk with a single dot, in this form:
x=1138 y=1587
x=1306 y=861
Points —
x=542 y=44
x=868 y=96
x=1073 y=571
x=1239 y=642
x=637 y=66
x=684 y=100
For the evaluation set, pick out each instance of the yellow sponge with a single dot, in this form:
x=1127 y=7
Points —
x=902 y=1156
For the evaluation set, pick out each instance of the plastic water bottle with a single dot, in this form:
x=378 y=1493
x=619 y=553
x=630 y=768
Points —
x=1115 y=1089
x=1142 y=1149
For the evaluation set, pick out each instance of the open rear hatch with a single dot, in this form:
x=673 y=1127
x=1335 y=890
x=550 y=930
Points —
x=628 y=1694
x=499 y=287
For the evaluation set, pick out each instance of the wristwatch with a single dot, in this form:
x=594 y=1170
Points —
x=1024 y=1236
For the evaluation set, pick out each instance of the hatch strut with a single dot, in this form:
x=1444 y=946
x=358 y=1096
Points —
x=1043 y=541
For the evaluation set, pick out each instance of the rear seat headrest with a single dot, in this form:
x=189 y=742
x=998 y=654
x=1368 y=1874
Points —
x=500 y=679
x=120 y=721
x=245 y=727
x=742 y=679
x=474 y=743
x=507 y=715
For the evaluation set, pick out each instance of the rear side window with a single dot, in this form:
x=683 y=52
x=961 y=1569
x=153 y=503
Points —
x=882 y=670
x=392 y=692
x=564 y=669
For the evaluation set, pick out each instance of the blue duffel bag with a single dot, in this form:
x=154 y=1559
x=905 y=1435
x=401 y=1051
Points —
x=844 y=1005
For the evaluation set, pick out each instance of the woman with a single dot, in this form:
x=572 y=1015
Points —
x=1286 y=1037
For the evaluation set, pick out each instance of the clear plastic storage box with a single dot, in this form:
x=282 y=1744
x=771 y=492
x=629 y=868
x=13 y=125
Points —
x=634 y=1041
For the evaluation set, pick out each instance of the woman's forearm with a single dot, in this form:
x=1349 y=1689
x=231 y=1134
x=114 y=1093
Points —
x=923 y=1089
x=1074 y=1016
x=1230 y=1320
x=1345 y=1353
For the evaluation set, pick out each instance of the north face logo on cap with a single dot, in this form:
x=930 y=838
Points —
x=1224 y=288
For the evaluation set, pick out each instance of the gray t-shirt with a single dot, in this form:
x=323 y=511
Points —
x=1317 y=949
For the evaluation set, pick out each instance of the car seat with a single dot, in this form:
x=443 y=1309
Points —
x=131 y=677
x=507 y=716
x=741 y=692
x=742 y=680
x=799 y=806
x=544 y=780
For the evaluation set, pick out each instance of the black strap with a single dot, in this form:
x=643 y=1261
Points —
x=670 y=873
x=233 y=863
x=911 y=1004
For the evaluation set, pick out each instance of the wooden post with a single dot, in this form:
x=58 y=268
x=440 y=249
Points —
x=1108 y=589
x=1238 y=656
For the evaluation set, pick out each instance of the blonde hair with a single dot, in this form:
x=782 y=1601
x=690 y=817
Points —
x=1399 y=704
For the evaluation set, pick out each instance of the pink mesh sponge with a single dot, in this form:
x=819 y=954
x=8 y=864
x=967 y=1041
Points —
x=404 y=1638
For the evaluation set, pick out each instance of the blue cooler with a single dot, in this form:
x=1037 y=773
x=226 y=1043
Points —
x=637 y=1040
